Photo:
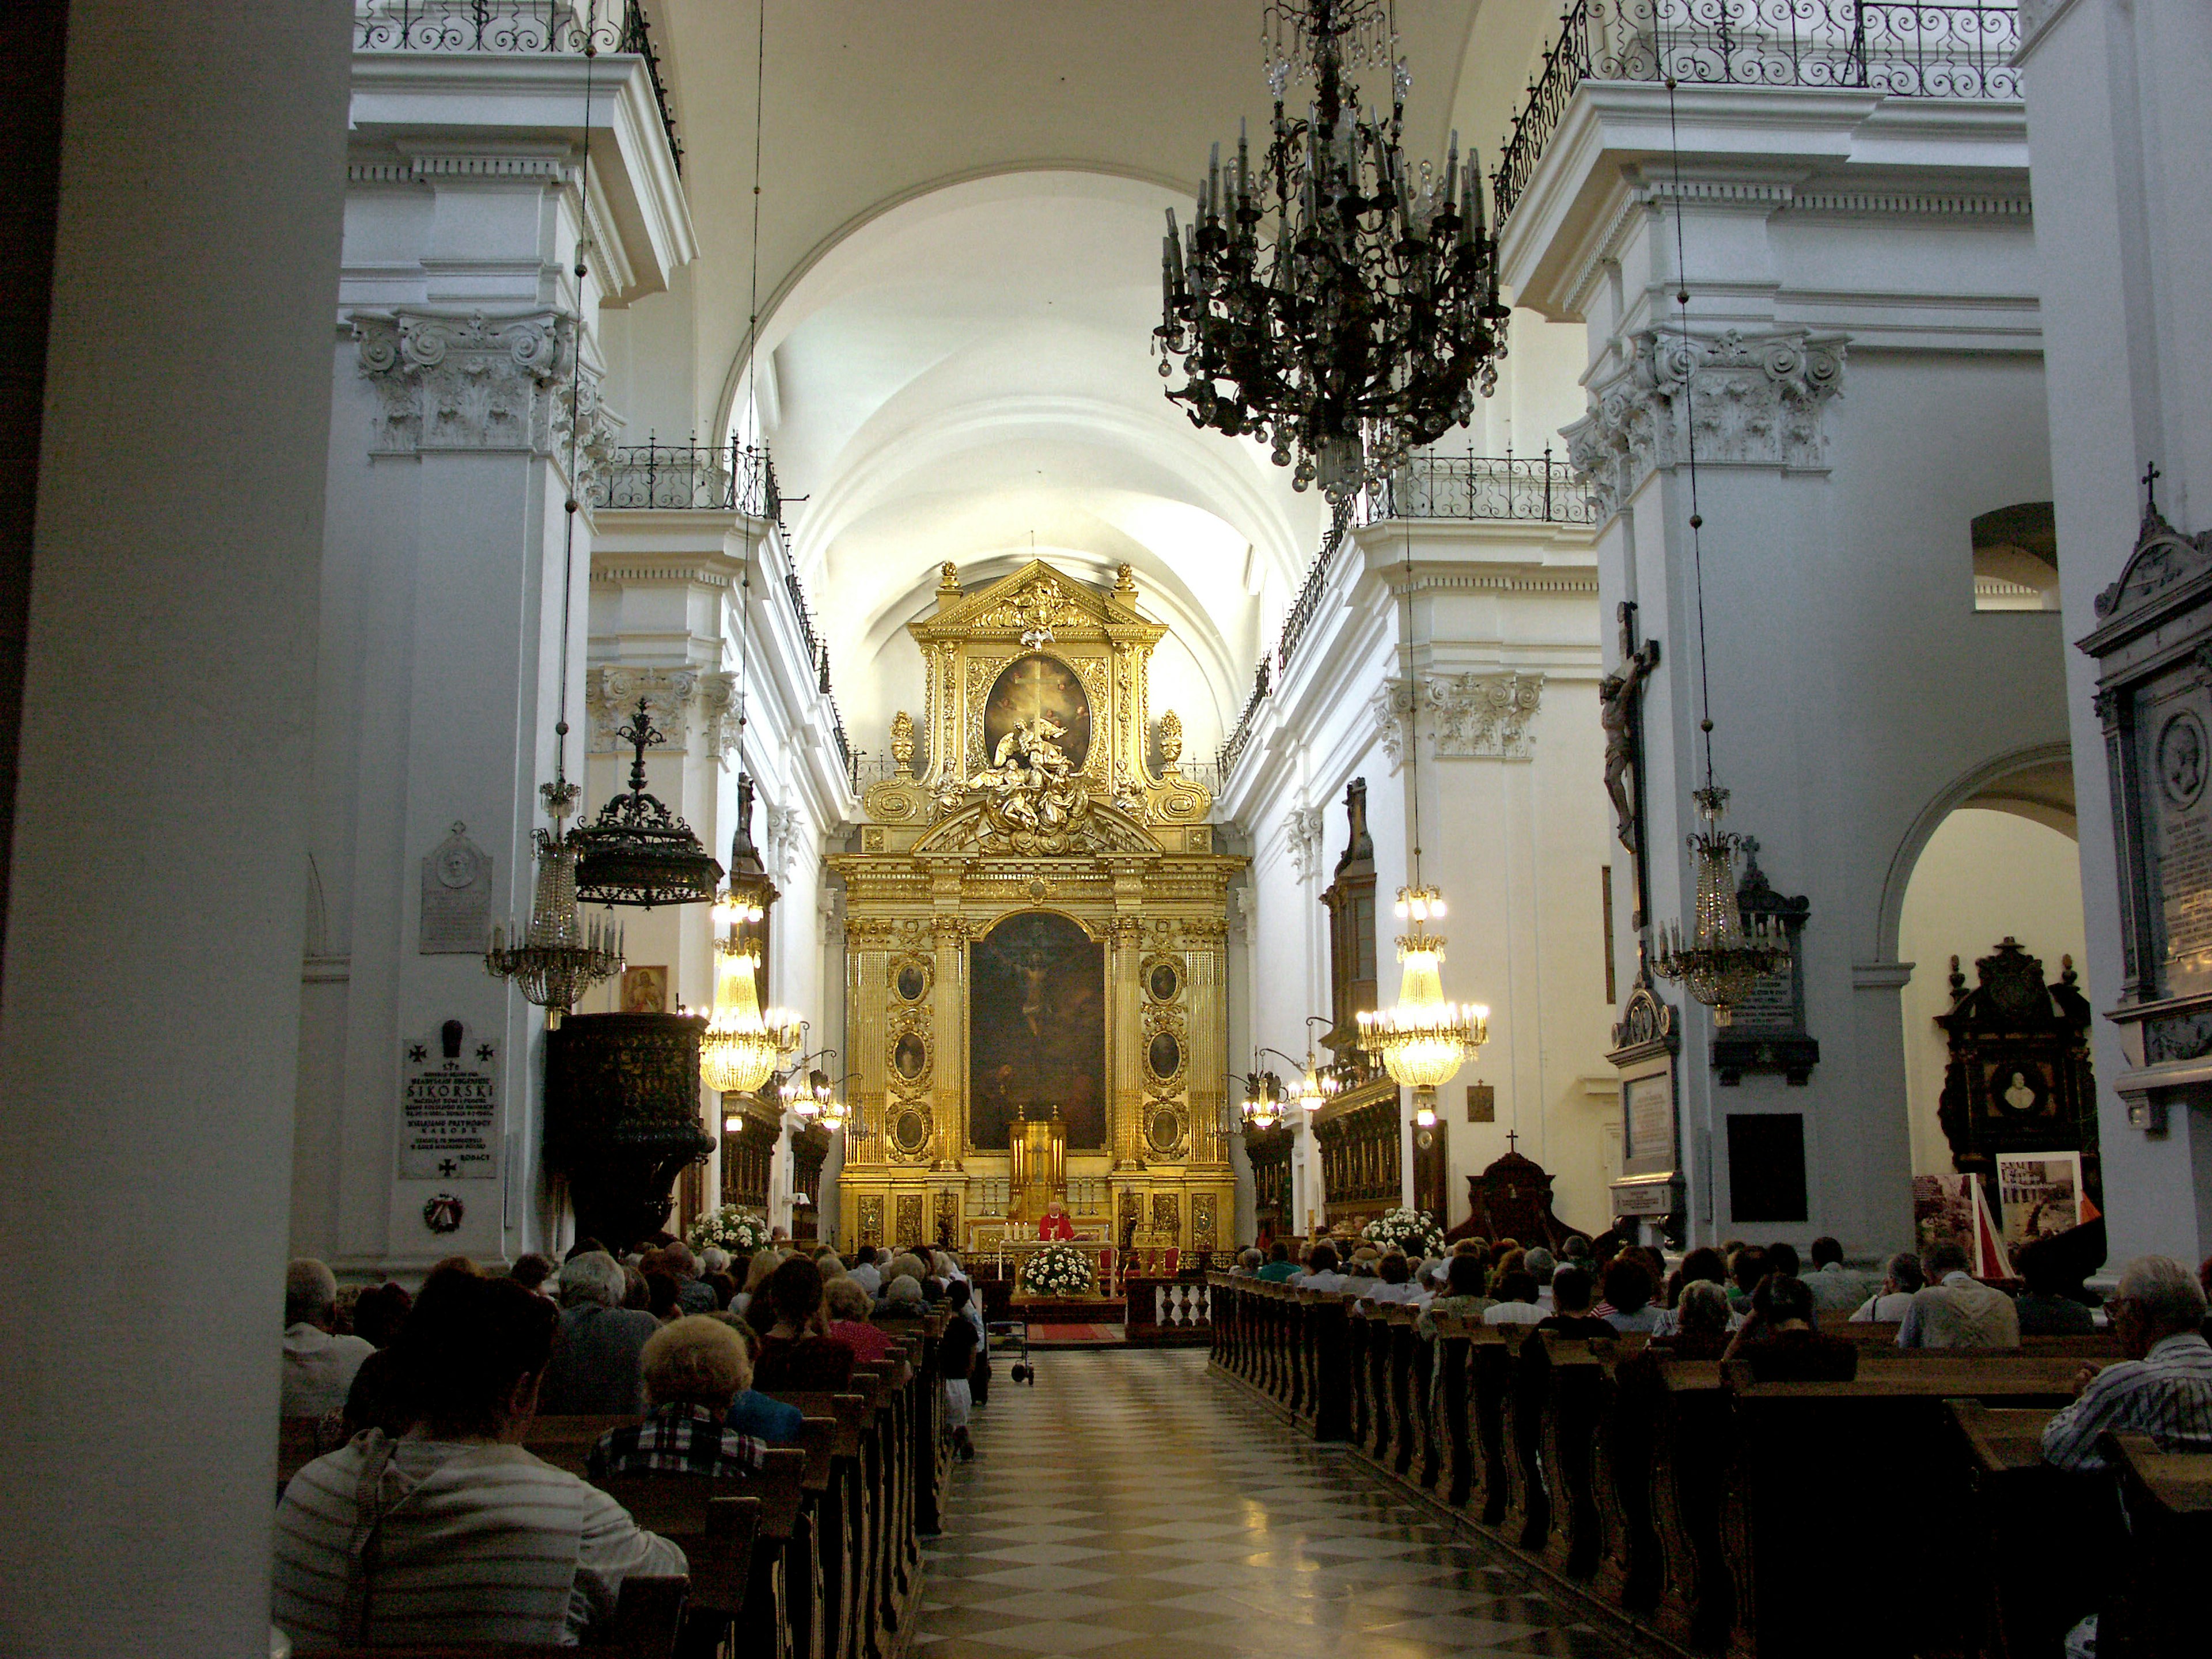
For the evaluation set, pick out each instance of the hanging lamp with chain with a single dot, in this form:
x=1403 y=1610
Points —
x=1331 y=301
x=1722 y=960
x=1423 y=1038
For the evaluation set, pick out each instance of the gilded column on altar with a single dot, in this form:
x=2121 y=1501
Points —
x=1125 y=1038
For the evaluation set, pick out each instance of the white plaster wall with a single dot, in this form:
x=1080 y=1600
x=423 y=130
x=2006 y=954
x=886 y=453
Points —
x=149 y=1031
x=2123 y=235
x=1983 y=876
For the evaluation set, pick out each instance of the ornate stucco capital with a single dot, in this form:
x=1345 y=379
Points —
x=1753 y=400
x=1465 y=716
x=474 y=380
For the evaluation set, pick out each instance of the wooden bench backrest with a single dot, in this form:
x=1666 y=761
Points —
x=645 y=1626
x=715 y=1530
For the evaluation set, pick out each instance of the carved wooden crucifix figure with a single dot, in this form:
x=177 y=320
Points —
x=1620 y=711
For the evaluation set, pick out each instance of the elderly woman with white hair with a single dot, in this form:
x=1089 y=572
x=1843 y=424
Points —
x=596 y=1354
x=694 y=1367
x=2163 y=1389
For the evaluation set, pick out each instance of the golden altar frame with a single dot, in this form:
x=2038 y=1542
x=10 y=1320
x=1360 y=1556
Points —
x=1045 y=802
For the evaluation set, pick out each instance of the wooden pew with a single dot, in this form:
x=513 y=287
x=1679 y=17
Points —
x=842 y=1515
x=717 y=1532
x=1451 y=1410
x=1577 y=1385
x=2042 y=1543
x=2159 y=1609
x=1630 y=1570
x=1689 y=1483
x=1821 y=1468
x=644 y=1627
x=1490 y=1355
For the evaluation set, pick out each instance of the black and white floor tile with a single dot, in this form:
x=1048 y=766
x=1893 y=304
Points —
x=1129 y=1505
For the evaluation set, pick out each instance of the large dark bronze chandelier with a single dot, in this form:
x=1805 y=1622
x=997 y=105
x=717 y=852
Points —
x=1335 y=303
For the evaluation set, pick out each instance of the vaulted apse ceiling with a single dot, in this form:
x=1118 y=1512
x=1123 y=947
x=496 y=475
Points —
x=965 y=378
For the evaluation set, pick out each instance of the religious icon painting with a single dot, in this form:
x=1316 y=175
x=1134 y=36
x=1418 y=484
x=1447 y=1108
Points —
x=1036 y=687
x=645 y=990
x=1037 y=1028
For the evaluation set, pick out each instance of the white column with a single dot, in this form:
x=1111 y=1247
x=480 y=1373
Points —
x=2123 y=232
x=152 y=992
x=448 y=579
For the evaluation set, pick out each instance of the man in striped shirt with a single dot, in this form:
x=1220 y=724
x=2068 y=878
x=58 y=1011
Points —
x=693 y=1367
x=453 y=1533
x=2163 y=1389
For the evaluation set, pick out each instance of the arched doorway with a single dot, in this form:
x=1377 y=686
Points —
x=2002 y=863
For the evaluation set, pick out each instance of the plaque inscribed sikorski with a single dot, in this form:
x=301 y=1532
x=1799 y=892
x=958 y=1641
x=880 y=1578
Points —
x=449 y=1106
x=456 y=897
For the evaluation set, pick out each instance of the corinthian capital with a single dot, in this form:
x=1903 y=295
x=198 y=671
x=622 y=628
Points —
x=451 y=380
x=1752 y=400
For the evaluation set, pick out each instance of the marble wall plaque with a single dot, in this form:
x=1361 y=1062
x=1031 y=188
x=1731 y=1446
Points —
x=1648 y=1110
x=449 y=1105
x=456 y=897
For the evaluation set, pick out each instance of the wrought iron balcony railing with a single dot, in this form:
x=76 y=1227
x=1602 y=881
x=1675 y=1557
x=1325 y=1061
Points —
x=731 y=479
x=1537 y=491
x=1469 y=487
x=558 y=27
x=1901 y=48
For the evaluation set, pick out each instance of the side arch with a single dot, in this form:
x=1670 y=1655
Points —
x=1979 y=782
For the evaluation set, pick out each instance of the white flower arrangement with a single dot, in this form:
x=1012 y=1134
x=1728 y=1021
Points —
x=1410 y=1231
x=729 y=1229
x=1057 y=1270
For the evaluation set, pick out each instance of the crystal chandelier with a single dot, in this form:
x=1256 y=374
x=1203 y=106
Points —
x=1723 y=960
x=558 y=956
x=1424 y=1039
x=742 y=1044
x=1334 y=303
x=1263 y=1098
x=636 y=851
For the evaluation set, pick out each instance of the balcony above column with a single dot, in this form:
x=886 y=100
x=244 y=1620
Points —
x=1824 y=180
x=493 y=123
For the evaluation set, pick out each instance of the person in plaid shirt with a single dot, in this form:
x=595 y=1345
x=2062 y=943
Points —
x=693 y=1368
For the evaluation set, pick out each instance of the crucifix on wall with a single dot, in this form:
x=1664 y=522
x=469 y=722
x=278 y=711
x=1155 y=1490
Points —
x=1620 y=712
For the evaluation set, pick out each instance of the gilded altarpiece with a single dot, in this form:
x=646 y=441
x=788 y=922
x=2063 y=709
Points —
x=1035 y=929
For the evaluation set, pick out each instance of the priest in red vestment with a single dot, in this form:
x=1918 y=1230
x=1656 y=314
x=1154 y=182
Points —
x=1056 y=1223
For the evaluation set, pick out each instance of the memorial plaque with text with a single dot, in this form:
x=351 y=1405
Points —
x=456 y=897
x=449 y=1106
x=2175 y=761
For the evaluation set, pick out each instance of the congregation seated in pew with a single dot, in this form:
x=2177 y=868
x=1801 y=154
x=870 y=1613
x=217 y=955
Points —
x=595 y=1365
x=1570 y=1313
x=1837 y=1289
x=1954 y=1310
x=2050 y=1305
x=1516 y=1300
x=1462 y=1295
x=2162 y=1387
x=1886 y=1306
x=1629 y=1289
x=796 y=1351
x=319 y=1363
x=1700 y=1330
x=693 y=1369
x=450 y=1531
x=849 y=1306
x=1320 y=1272
x=1278 y=1267
x=1780 y=1339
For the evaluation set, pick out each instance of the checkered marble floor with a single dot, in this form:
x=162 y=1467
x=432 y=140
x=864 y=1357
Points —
x=1129 y=1506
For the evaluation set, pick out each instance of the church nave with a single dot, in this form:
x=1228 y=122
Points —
x=1128 y=1499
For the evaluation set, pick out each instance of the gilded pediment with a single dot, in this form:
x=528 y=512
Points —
x=1036 y=711
x=1036 y=602
x=974 y=829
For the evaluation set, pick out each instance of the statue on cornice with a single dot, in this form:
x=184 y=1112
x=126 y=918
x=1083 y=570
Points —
x=1032 y=797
